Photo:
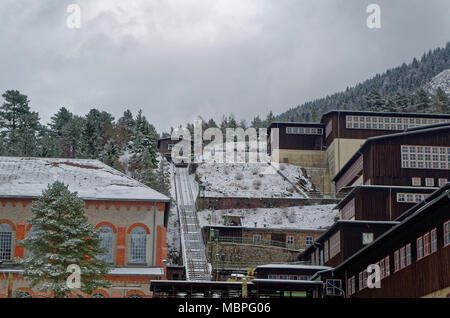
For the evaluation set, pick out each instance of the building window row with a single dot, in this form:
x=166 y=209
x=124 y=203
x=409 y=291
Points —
x=138 y=243
x=389 y=123
x=429 y=182
x=425 y=157
x=402 y=257
x=426 y=244
x=335 y=244
x=288 y=277
x=304 y=131
x=411 y=197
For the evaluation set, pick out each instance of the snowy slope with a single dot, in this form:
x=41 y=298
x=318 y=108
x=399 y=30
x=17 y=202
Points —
x=441 y=80
x=92 y=179
x=307 y=217
x=249 y=180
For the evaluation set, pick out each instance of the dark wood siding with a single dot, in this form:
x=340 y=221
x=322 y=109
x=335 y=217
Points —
x=423 y=276
x=382 y=159
x=298 y=141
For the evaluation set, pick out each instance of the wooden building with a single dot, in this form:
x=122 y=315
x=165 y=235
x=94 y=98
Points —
x=165 y=145
x=417 y=157
x=325 y=148
x=346 y=131
x=300 y=144
x=342 y=240
x=380 y=203
x=414 y=255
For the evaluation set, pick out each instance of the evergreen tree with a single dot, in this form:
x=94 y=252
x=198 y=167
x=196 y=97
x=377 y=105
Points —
x=158 y=179
x=257 y=123
x=61 y=237
x=98 y=129
x=110 y=154
x=440 y=102
x=126 y=126
x=13 y=109
x=211 y=123
x=375 y=102
x=421 y=101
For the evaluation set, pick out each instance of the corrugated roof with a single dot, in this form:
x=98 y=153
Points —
x=92 y=179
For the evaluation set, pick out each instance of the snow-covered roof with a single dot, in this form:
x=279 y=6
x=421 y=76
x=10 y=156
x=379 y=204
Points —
x=138 y=271
x=294 y=266
x=92 y=179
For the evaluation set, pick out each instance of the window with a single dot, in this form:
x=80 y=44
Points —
x=367 y=238
x=426 y=244
x=429 y=182
x=293 y=277
x=5 y=241
x=410 y=197
x=387 y=266
x=446 y=233
x=326 y=251
x=387 y=123
x=256 y=238
x=138 y=246
x=351 y=286
x=304 y=131
x=420 y=248
x=285 y=277
x=309 y=240
x=396 y=260
x=304 y=277
x=335 y=244
x=416 y=182
x=433 y=240
x=290 y=240
x=425 y=157
x=334 y=287
x=272 y=276
x=442 y=181
x=106 y=243
x=408 y=254
x=321 y=257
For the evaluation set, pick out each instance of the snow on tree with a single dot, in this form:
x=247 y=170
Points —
x=110 y=154
x=60 y=236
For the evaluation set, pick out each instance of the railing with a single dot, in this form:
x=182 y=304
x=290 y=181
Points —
x=248 y=241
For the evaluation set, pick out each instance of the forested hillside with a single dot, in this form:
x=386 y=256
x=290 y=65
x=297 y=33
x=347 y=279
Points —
x=397 y=89
x=128 y=144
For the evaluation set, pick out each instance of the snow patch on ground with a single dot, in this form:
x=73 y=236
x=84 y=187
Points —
x=305 y=217
x=251 y=180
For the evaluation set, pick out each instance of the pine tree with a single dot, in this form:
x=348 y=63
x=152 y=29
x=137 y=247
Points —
x=440 y=102
x=61 y=237
x=375 y=102
x=421 y=101
x=110 y=154
x=158 y=179
x=18 y=125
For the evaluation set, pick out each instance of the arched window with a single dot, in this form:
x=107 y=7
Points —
x=106 y=243
x=138 y=245
x=98 y=295
x=134 y=295
x=5 y=241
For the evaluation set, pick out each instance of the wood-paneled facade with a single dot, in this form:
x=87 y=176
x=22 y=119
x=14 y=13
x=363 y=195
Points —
x=383 y=159
x=342 y=240
x=426 y=276
x=380 y=203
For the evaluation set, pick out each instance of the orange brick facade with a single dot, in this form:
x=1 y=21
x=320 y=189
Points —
x=121 y=217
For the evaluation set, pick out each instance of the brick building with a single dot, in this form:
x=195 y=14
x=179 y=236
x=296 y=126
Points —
x=131 y=217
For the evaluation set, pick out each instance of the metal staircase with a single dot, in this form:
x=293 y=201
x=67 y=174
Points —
x=194 y=256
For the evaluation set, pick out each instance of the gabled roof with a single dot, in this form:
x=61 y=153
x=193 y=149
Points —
x=408 y=216
x=354 y=189
x=92 y=179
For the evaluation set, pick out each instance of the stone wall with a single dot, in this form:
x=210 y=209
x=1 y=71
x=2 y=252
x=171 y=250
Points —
x=246 y=255
x=223 y=203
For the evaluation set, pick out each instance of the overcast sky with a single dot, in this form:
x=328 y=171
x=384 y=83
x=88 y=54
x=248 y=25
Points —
x=177 y=59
